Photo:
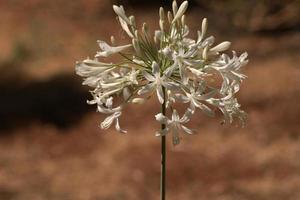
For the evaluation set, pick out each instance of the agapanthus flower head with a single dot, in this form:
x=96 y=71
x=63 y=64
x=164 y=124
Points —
x=167 y=64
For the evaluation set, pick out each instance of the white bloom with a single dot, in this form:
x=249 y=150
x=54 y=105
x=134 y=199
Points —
x=93 y=71
x=115 y=114
x=230 y=108
x=174 y=125
x=110 y=119
x=156 y=81
x=109 y=50
x=182 y=59
x=170 y=65
x=196 y=98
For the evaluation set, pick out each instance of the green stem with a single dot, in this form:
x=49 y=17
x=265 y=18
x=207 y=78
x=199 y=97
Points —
x=163 y=154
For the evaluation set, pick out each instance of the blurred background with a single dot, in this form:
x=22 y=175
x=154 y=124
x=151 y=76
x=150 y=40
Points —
x=50 y=143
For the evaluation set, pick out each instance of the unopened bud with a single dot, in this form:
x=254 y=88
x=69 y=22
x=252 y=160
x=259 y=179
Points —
x=203 y=28
x=170 y=17
x=161 y=25
x=136 y=46
x=181 y=11
x=132 y=20
x=157 y=36
x=204 y=53
x=112 y=40
x=174 y=7
x=145 y=28
x=221 y=47
x=169 y=92
x=161 y=13
x=136 y=33
x=138 y=100
x=183 y=20
x=119 y=10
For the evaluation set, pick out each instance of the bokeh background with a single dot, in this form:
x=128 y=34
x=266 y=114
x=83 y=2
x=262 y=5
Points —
x=50 y=143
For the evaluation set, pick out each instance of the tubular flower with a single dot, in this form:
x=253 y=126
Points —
x=175 y=124
x=170 y=64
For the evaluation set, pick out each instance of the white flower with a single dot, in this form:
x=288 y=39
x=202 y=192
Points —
x=93 y=71
x=115 y=114
x=230 y=67
x=156 y=81
x=110 y=119
x=196 y=99
x=107 y=50
x=230 y=108
x=175 y=125
x=179 y=69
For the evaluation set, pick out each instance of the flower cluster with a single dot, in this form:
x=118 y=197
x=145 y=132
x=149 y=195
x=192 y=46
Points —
x=168 y=64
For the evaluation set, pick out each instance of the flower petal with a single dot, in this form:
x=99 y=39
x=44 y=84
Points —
x=119 y=10
x=162 y=132
x=187 y=116
x=125 y=27
x=147 y=88
x=160 y=94
x=161 y=118
x=204 y=108
x=108 y=121
x=155 y=69
x=148 y=76
x=182 y=98
x=108 y=50
x=187 y=130
x=175 y=134
x=118 y=128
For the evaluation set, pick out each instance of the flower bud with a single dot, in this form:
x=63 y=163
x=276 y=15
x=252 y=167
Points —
x=203 y=28
x=112 y=40
x=119 y=10
x=183 y=20
x=181 y=11
x=138 y=100
x=126 y=93
x=132 y=20
x=161 y=14
x=145 y=28
x=136 y=33
x=221 y=47
x=161 y=25
x=157 y=35
x=174 y=7
x=170 y=17
x=204 y=53
x=125 y=27
x=167 y=52
x=136 y=47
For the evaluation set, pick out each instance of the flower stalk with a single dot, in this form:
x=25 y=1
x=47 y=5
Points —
x=163 y=153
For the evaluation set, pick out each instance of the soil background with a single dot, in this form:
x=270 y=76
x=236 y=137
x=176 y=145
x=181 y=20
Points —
x=51 y=146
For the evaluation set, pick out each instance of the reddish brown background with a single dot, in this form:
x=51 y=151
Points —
x=50 y=143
